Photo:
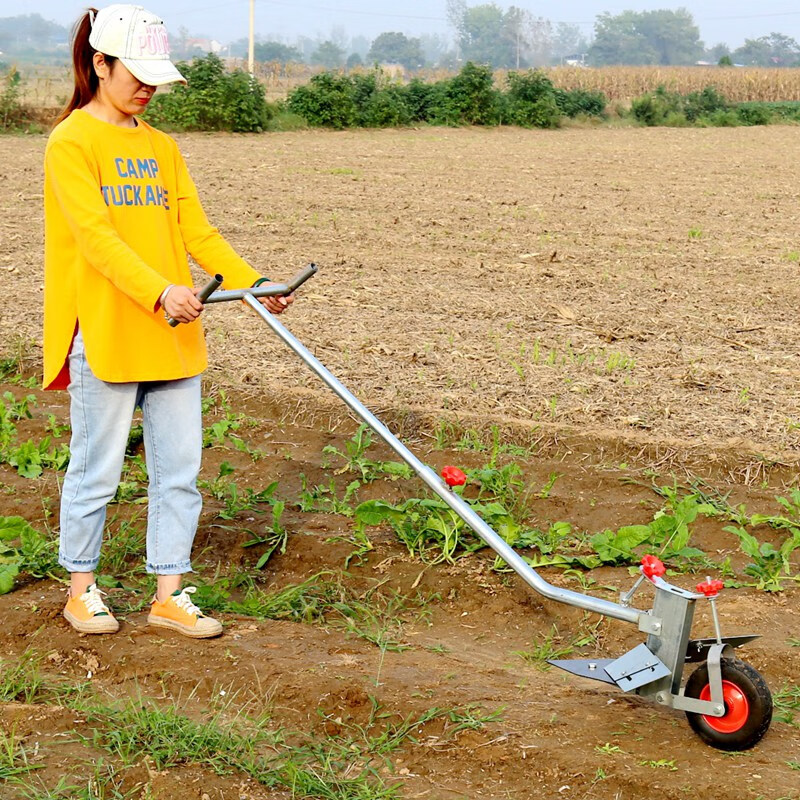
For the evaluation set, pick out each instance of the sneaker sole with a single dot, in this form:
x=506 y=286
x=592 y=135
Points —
x=192 y=633
x=109 y=625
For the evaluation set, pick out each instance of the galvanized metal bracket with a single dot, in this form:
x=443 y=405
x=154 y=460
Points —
x=707 y=708
x=715 y=653
x=649 y=624
x=637 y=668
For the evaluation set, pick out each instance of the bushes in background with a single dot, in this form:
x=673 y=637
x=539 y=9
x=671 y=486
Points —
x=469 y=98
x=14 y=116
x=212 y=100
x=706 y=109
x=215 y=99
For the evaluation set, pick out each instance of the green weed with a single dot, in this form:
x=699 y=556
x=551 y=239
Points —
x=609 y=749
x=22 y=681
x=661 y=763
x=275 y=538
x=384 y=733
x=132 y=487
x=373 y=615
x=545 y=491
x=24 y=549
x=13 y=758
x=55 y=427
x=124 y=544
x=104 y=783
x=356 y=460
x=140 y=727
x=787 y=703
x=10 y=367
x=235 y=501
x=769 y=566
x=325 y=499
x=31 y=459
x=553 y=646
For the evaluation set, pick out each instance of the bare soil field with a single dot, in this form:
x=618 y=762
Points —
x=617 y=308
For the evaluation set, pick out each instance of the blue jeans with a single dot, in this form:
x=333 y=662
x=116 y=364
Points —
x=101 y=414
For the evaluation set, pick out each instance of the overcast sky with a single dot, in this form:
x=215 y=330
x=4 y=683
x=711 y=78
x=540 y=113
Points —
x=729 y=21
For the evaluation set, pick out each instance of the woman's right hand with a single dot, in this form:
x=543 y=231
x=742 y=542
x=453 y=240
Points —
x=181 y=304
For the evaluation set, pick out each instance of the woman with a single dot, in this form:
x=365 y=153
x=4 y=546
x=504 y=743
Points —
x=121 y=213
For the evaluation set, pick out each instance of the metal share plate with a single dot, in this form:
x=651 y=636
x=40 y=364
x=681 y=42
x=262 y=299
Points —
x=592 y=668
x=697 y=649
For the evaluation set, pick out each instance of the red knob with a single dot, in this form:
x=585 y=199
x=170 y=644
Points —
x=710 y=588
x=453 y=476
x=653 y=567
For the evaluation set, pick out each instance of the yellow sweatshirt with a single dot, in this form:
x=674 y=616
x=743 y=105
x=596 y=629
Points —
x=121 y=213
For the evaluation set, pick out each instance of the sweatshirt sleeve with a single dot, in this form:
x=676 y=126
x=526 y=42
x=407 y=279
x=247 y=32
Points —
x=76 y=188
x=203 y=241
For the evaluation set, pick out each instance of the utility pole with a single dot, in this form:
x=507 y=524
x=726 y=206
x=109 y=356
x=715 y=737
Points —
x=251 y=67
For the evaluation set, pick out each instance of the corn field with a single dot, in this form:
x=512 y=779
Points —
x=737 y=84
x=49 y=86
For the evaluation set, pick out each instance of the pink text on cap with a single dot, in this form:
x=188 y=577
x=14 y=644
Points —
x=154 y=42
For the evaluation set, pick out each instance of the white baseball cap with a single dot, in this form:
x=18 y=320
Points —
x=138 y=38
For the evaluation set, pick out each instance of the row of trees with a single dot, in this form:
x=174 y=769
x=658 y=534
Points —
x=486 y=33
x=671 y=37
x=515 y=38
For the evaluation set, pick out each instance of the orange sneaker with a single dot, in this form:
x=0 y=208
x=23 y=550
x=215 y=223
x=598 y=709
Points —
x=181 y=614
x=88 y=613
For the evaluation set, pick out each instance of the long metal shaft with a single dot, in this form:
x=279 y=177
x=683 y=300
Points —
x=435 y=484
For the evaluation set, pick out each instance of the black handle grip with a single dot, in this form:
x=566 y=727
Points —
x=202 y=296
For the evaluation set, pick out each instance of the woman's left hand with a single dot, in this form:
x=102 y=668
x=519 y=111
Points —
x=276 y=305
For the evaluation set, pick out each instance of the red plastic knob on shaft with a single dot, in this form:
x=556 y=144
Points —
x=653 y=567
x=710 y=588
x=453 y=476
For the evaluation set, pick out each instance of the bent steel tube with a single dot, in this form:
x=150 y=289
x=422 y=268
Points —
x=435 y=484
x=273 y=290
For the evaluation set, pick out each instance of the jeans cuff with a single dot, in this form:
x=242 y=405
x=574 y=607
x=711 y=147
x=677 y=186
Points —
x=169 y=569
x=84 y=565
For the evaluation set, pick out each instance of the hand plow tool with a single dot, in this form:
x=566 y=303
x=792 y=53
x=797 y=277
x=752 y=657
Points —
x=726 y=701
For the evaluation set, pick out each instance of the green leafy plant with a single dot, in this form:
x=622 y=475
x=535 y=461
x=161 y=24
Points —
x=770 y=566
x=235 y=500
x=325 y=499
x=275 y=538
x=787 y=704
x=212 y=100
x=430 y=529
x=24 y=549
x=13 y=115
x=32 y=458
x=668 y=535
x=356 y=459
x=531 y=100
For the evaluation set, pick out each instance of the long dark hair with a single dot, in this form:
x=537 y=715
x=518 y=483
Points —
x=86 y=80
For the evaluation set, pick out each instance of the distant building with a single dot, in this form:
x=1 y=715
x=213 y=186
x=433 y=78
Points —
x=203 y=45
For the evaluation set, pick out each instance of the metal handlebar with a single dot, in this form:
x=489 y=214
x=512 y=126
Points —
x=209 y=293
x=202 y=296
x=273 y=290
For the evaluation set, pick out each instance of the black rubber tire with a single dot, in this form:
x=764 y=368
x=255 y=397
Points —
x=759 y=699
